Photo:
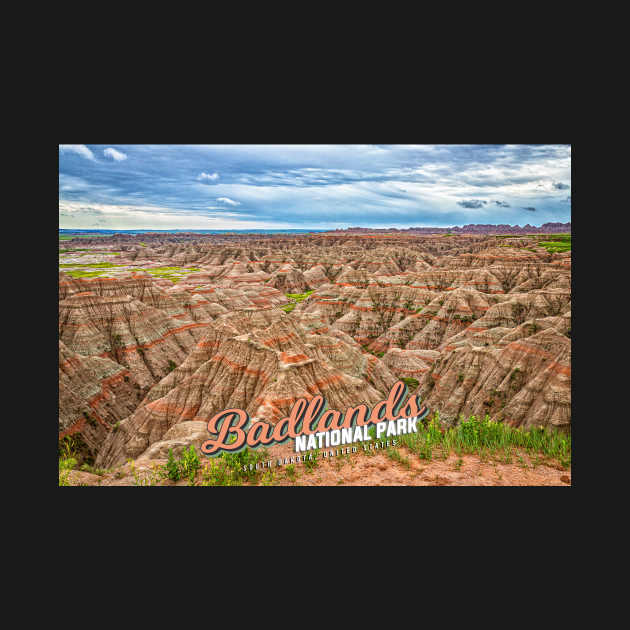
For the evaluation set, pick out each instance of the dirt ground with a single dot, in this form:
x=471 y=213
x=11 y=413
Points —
x=360 y=469
x=469 y=470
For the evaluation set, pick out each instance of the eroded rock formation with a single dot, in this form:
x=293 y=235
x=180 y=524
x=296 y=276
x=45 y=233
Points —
x=483 y=323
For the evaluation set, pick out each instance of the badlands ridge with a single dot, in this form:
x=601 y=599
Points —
x=159 y=332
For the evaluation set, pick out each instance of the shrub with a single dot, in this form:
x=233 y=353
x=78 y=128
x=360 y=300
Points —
x=186 y=467
x=172 y=467
x=476 y=435
x=64 y=478
x=67 y=459
x=232 y=469
x=247 y=458
x=311 y=464
x=189 y=464
x=290 y=470
x=68 y=463
x=515 y=373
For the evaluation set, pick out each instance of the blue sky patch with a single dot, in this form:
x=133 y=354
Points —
x=311 y=186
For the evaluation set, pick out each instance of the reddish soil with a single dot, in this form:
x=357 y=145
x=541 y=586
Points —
x=375 y=470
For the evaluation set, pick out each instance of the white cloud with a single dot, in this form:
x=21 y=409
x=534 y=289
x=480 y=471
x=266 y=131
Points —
x=208 y=177
x=69 y=183
x=86 y=215
x=321 y=185
x=79 y=149
x=237 y=215
x=229 y=201
x=115 y=155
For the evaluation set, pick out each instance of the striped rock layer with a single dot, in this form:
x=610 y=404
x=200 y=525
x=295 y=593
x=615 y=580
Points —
x=483 y=323
x=139 y=337
x=263 y=372
x=94 y=395
x=525 y=383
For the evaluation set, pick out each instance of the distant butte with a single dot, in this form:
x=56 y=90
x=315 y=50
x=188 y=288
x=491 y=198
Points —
x=474 y=228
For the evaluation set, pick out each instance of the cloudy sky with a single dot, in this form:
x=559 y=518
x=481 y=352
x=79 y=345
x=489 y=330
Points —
x=311 y=186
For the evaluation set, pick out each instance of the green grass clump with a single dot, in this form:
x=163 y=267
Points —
x=67 y=463
x=101 y=265
x=295 y=298
x=77 y=273
x=312 y=464
x=186 y=467
x=395 y=455
x=559 y=237
x=268 y=478
x=166 y=276
x=380 y=355
x=170 y=273
x=166 y=269
x=78 y=270
x=485 y=436
x=68 y=237
x=216 y=473
x=67 y=459
x=91 y=469
x=245 y=457
x=298 y=297
x=227 y=468
x=411 y=383
x=290 y=471
x=553 y=243
x=556 y=246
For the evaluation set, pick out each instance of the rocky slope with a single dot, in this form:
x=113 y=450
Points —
x=182 y=326
x=263 y=371
x=94 y=396
x=141 y=338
